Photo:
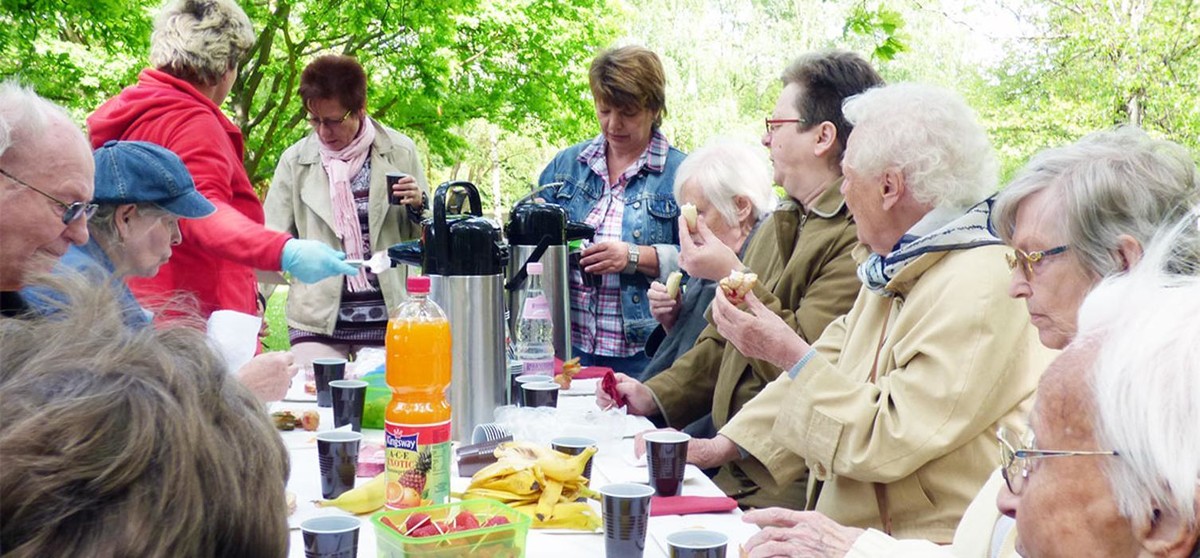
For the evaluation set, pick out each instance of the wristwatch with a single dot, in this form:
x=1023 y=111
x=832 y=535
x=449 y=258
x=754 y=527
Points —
x=631 y=264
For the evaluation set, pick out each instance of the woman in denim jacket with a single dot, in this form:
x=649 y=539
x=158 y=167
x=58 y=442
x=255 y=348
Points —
x=620 y=182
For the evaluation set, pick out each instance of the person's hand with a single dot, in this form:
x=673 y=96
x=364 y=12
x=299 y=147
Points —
x=269 y=375
x=406 y=191
x=664 y=308
x=703 y=255
x=759 y=333
x=310 y=261
x=797 y=533
x=638 y=398
x=605 y=257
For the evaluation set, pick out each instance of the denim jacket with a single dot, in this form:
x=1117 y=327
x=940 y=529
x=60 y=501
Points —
x=650 y=219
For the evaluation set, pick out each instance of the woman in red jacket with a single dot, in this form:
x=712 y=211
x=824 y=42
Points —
x=194 y=52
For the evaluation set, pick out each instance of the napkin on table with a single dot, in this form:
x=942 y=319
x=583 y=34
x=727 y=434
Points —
x=684 y=505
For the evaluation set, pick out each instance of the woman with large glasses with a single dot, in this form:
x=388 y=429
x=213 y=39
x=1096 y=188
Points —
x=1073 y=215
x=332 y=187
x=194 y=51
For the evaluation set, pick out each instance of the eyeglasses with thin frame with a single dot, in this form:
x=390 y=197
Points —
x=1028 y=259
x=1015 y=457
x=71 y=211
x=329 y=122
x=774 y=123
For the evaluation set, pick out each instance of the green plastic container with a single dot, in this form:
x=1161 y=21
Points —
x=378 y=397
x=500 y=541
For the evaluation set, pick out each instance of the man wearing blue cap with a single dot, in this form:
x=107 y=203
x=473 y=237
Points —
x=142 y=190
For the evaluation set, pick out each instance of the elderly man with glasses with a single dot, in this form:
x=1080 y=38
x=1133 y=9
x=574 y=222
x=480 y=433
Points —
x=46 y=175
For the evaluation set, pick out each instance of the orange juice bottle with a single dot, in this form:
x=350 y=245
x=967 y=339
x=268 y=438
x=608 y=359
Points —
x=417 y=421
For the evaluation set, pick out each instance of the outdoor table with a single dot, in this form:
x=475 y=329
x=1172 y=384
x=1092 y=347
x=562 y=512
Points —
x=611 y=464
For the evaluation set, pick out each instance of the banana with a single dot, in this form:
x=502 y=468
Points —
x=562 y=467
x=363 y=499
x=520 y=483
x=550 y=495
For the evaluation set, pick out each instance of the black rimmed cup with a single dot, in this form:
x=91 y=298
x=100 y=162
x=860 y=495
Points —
x=349 y=397
x=626 y=514
x=521 y=379
x=326 y=370
x=539 y=394
x=574 y=445
x=666 y=457
x=393 y=178
x=696 y=543
x=330 y=536
x=337 y=452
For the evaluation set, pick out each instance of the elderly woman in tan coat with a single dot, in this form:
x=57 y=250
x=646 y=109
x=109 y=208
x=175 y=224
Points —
x=1074 y=215
x=894 y=407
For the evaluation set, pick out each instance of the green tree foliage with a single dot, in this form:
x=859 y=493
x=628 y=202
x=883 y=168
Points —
x=433 y=66
x=1093 y=64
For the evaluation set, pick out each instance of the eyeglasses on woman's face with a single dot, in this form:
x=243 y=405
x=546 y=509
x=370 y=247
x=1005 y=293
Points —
x=71 y=211
x=1016 y=452
x=1028 y=260
x=329 y=122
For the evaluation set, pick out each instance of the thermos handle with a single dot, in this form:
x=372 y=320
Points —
x=518 y=278
x=441 y=229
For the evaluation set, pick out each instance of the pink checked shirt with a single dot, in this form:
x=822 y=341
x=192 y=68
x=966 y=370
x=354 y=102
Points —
x=596 y=322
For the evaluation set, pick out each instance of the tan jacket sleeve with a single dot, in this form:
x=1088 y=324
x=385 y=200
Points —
x=278 y=206
x=772 y=464
x=945 y=374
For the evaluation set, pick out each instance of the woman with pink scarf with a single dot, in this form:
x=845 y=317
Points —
x=332 y=186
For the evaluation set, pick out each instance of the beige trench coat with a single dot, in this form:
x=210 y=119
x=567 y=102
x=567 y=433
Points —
x=959 y=359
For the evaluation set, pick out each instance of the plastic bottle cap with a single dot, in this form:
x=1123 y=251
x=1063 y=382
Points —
x=418 y=284
x=534 y=268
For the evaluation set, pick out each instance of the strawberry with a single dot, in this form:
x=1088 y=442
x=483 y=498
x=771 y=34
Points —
x=415 y=521
x=465 y=521
x=496 y=520
x=427 y=530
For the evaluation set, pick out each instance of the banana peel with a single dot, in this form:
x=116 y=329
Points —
x=540 y=482
x=363 y=499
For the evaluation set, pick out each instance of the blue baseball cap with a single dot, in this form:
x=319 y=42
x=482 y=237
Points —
x=142 y=172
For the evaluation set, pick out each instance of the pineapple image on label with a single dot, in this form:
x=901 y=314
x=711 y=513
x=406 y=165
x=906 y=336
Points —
x=418 y=464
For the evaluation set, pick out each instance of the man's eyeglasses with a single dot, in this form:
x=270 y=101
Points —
x=1015 y=456
x=774 y=123
x=329 y=122
x=1027 y=259
x=71 y=211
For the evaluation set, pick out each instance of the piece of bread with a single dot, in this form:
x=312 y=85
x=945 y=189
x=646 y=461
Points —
x=737 y=284
x=689 y=214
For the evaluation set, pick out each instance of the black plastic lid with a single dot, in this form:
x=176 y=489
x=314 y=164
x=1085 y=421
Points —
x=473 y=247
x=530 y=221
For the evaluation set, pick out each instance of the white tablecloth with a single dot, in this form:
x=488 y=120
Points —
x=612 y=464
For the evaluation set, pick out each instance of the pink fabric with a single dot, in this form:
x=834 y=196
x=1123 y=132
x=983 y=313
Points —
x=686 y=505
x=341 y=166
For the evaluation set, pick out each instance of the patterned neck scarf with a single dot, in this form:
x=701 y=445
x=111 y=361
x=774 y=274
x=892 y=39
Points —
x=939 y=231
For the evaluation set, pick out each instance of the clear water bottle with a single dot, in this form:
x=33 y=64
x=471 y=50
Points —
x=535 y=328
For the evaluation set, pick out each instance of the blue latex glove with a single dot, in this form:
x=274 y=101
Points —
x=311 y=261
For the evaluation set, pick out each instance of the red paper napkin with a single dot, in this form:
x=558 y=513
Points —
x=685 y=505
x=608 y=384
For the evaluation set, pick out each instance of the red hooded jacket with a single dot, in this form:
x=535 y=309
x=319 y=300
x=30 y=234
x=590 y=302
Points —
x=218 y=256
